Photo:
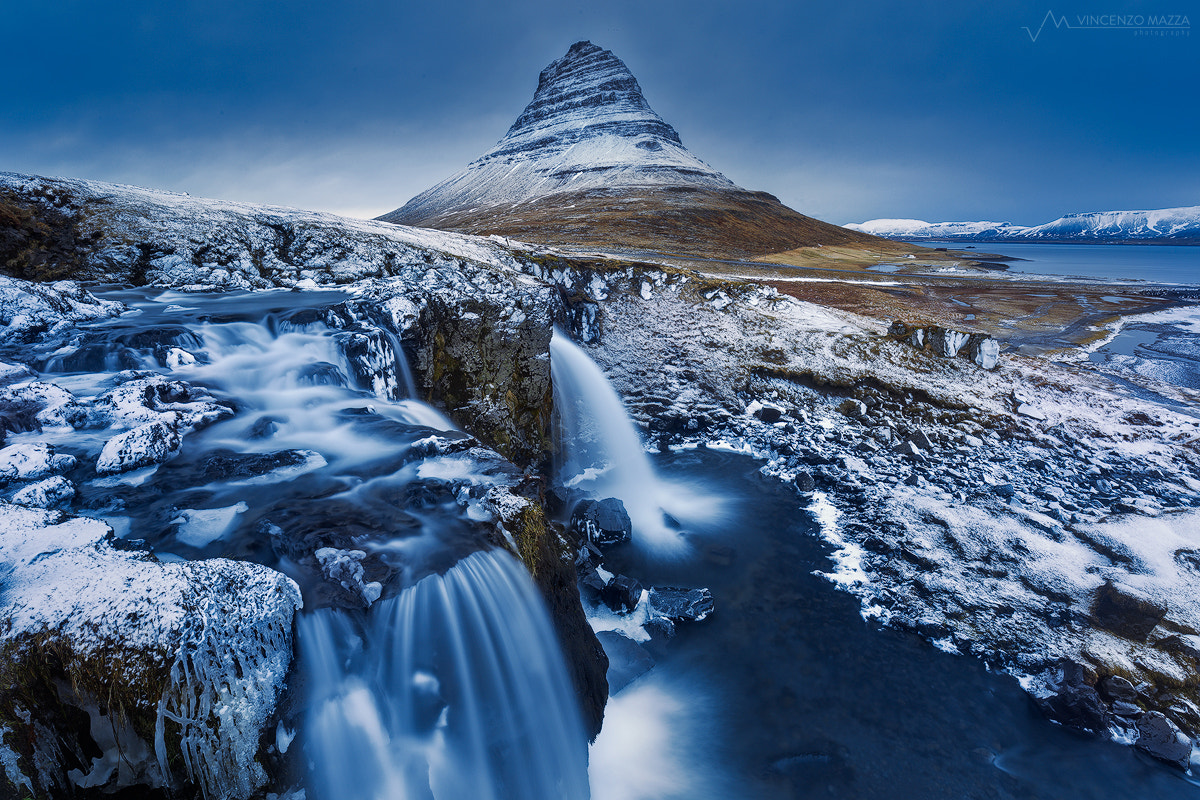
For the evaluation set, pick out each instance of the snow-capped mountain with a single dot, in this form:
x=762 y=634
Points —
x=1173 y=224
x=588 y=162
x=588 y=126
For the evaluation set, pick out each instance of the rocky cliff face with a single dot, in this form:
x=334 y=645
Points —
x=589 y=163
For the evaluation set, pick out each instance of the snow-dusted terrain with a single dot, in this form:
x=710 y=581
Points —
x=1165 y=224
x=587 y=127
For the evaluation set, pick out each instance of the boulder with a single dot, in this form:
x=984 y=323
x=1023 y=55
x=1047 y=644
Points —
x=1125 y=612
x=1075 y=703
x=1162 y=739
x=622 y=594
x=853 y=408
x=602 y=522
x=45 y=494
x=983 y=350
x=769 y=413
x=680 y=605
x=945 y=342
x=152 y=443
x=31 y=462
x=805 y=482
x=178 y=666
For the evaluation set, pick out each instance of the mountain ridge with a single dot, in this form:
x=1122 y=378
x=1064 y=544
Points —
x=1176 y=225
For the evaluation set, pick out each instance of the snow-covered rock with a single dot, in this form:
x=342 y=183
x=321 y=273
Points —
x=46 y=493
x=129 y=234
x=28 y=462
x=30 y=310
x=35 y=404
x=182 y=663
x=152 y=443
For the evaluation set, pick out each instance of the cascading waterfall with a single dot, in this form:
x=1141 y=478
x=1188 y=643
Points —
x=449 y=684
x=453 y=690
x=602 y=451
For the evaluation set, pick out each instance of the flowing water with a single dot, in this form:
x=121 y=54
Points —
x=428 y=663
x=602 y=453
x=432 y=672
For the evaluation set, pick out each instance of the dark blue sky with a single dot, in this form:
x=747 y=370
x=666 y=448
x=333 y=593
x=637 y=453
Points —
x=941 y=111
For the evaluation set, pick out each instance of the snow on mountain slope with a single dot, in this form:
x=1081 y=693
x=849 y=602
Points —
x=916 y=228
x=1167 y=223
x=588 y=126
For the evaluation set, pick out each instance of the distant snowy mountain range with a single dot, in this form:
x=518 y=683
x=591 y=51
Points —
x=1180 y=225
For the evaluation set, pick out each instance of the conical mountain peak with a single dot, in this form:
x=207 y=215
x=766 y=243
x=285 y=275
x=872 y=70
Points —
x=588 y=163
x=587 y=127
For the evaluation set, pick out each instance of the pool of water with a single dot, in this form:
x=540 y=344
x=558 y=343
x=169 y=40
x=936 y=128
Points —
x=785 y=692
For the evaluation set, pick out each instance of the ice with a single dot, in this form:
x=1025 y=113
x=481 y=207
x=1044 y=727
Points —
x=202 y=527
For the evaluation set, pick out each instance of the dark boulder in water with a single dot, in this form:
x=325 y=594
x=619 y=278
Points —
x=680 y=605
x=622 y=594
x=602 y=522
x=1160 y=737
x=1076 y=703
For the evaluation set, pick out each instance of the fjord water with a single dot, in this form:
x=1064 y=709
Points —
x=1151 y=263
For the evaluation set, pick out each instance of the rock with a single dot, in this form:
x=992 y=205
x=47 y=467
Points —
x=921 y=440
x=1114 y=688
x=34 y=405
x=45 y=494
x=769 y=413
x=660 y=628
x=1186 y=646
x=602 y=522
x=152 y=443
x=139 y=400
x=345 y=568
x=1123 y=708
x=946 y=343
x=627 y=660
x=28 y=462
x=32 y=311
x=805 y=482
x=1075 y=703
x=899 y=330
x=622 y=594
x=193 y=655
x=1160 y=737
x=1026 y=410
x=680 y=605
x=1125 y=612
x=911 y=450
x=983 y=350
x=853 y=408
x=1004 y=490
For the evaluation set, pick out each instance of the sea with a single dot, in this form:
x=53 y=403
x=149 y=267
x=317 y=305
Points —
x=1161 y=347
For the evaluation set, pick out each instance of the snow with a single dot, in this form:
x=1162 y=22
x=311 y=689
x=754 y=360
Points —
x=26 y=462
x=1166 y=223
x=28 y=309
x=577 y=134
x=202 y=527
x=219 y=630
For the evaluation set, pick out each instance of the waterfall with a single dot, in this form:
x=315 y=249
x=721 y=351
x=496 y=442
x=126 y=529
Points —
x=453 y=690
x=601 y=449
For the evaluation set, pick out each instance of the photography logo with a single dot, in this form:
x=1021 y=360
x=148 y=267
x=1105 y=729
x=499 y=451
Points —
x=1137 y=24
